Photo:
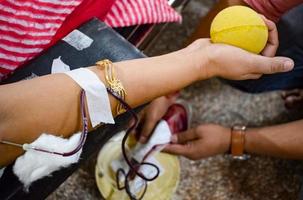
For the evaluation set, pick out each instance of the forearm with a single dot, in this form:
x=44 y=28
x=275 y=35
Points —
x=149 y=78
x=51 y=103
x=283 y=141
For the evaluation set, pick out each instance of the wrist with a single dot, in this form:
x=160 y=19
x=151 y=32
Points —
x=250 y=138
x=197 y=54
x=226 y=143
x=206 y=68
x=213 y=63
x=189 y=61
x=223 y=141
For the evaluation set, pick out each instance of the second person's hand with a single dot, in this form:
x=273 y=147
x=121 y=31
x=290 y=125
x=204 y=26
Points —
x=200 y=142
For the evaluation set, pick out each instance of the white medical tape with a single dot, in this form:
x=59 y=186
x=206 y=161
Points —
x=97 y=98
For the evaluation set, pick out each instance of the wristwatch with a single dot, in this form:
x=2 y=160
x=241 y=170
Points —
x=238 y=142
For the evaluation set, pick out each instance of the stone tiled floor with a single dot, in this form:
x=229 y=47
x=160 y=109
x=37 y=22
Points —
x=260 y=178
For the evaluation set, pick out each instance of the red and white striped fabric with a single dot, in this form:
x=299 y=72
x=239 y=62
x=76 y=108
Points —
x=132 y=12
x=27 y=27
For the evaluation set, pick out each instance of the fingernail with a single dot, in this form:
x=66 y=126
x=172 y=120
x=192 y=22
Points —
x=288 y=65
x=142 y=139
x=174 y=139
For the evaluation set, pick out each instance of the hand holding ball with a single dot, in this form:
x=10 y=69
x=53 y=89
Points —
x=240 y=26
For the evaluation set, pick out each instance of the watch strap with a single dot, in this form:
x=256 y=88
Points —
x=238 y=142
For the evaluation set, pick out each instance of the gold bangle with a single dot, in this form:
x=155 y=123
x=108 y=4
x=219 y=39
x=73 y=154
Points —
x=112 y=81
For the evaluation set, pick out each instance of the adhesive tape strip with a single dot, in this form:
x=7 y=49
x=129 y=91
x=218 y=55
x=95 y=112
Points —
x=97 y=98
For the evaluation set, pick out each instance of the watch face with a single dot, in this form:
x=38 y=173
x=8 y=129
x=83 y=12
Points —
x=239 y=128
x=243 y=157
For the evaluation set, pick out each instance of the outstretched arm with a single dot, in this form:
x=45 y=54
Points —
x=23 y=116
x=282 y=141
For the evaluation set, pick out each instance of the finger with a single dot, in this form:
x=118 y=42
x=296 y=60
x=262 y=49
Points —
x=273 y=39
x=134 y=133
x=149 y=124
x=176 y=149
x=138 y=128
x=295 y=92
x=131 y=122
x=188 y=150
x=292 y=101
x=267 y=65
x=187 y=136
x=179 y=149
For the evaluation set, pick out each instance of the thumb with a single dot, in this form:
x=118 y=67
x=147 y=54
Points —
x=189 y=150
x=271 y=65
x=176 y=149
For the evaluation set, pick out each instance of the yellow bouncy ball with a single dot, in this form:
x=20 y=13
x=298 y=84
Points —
x=240 y=26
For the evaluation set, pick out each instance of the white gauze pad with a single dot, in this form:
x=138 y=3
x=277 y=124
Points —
x=97 y=98
x=161 y=136
x=34 y=165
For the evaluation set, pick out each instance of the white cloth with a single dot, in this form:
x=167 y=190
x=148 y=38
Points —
x=96 y=94
x=34 y=165
x=161 y=136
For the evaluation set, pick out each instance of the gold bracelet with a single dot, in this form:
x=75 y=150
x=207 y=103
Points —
x=112 y=81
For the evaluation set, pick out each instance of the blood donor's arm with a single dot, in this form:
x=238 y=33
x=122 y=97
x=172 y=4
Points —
x=50 y=104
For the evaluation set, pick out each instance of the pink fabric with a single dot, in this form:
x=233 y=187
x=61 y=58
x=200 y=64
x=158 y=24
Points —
x=132 y=12
x=27 y=27
x=273 y=9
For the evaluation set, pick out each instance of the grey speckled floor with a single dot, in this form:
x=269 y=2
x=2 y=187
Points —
x=218 y=178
